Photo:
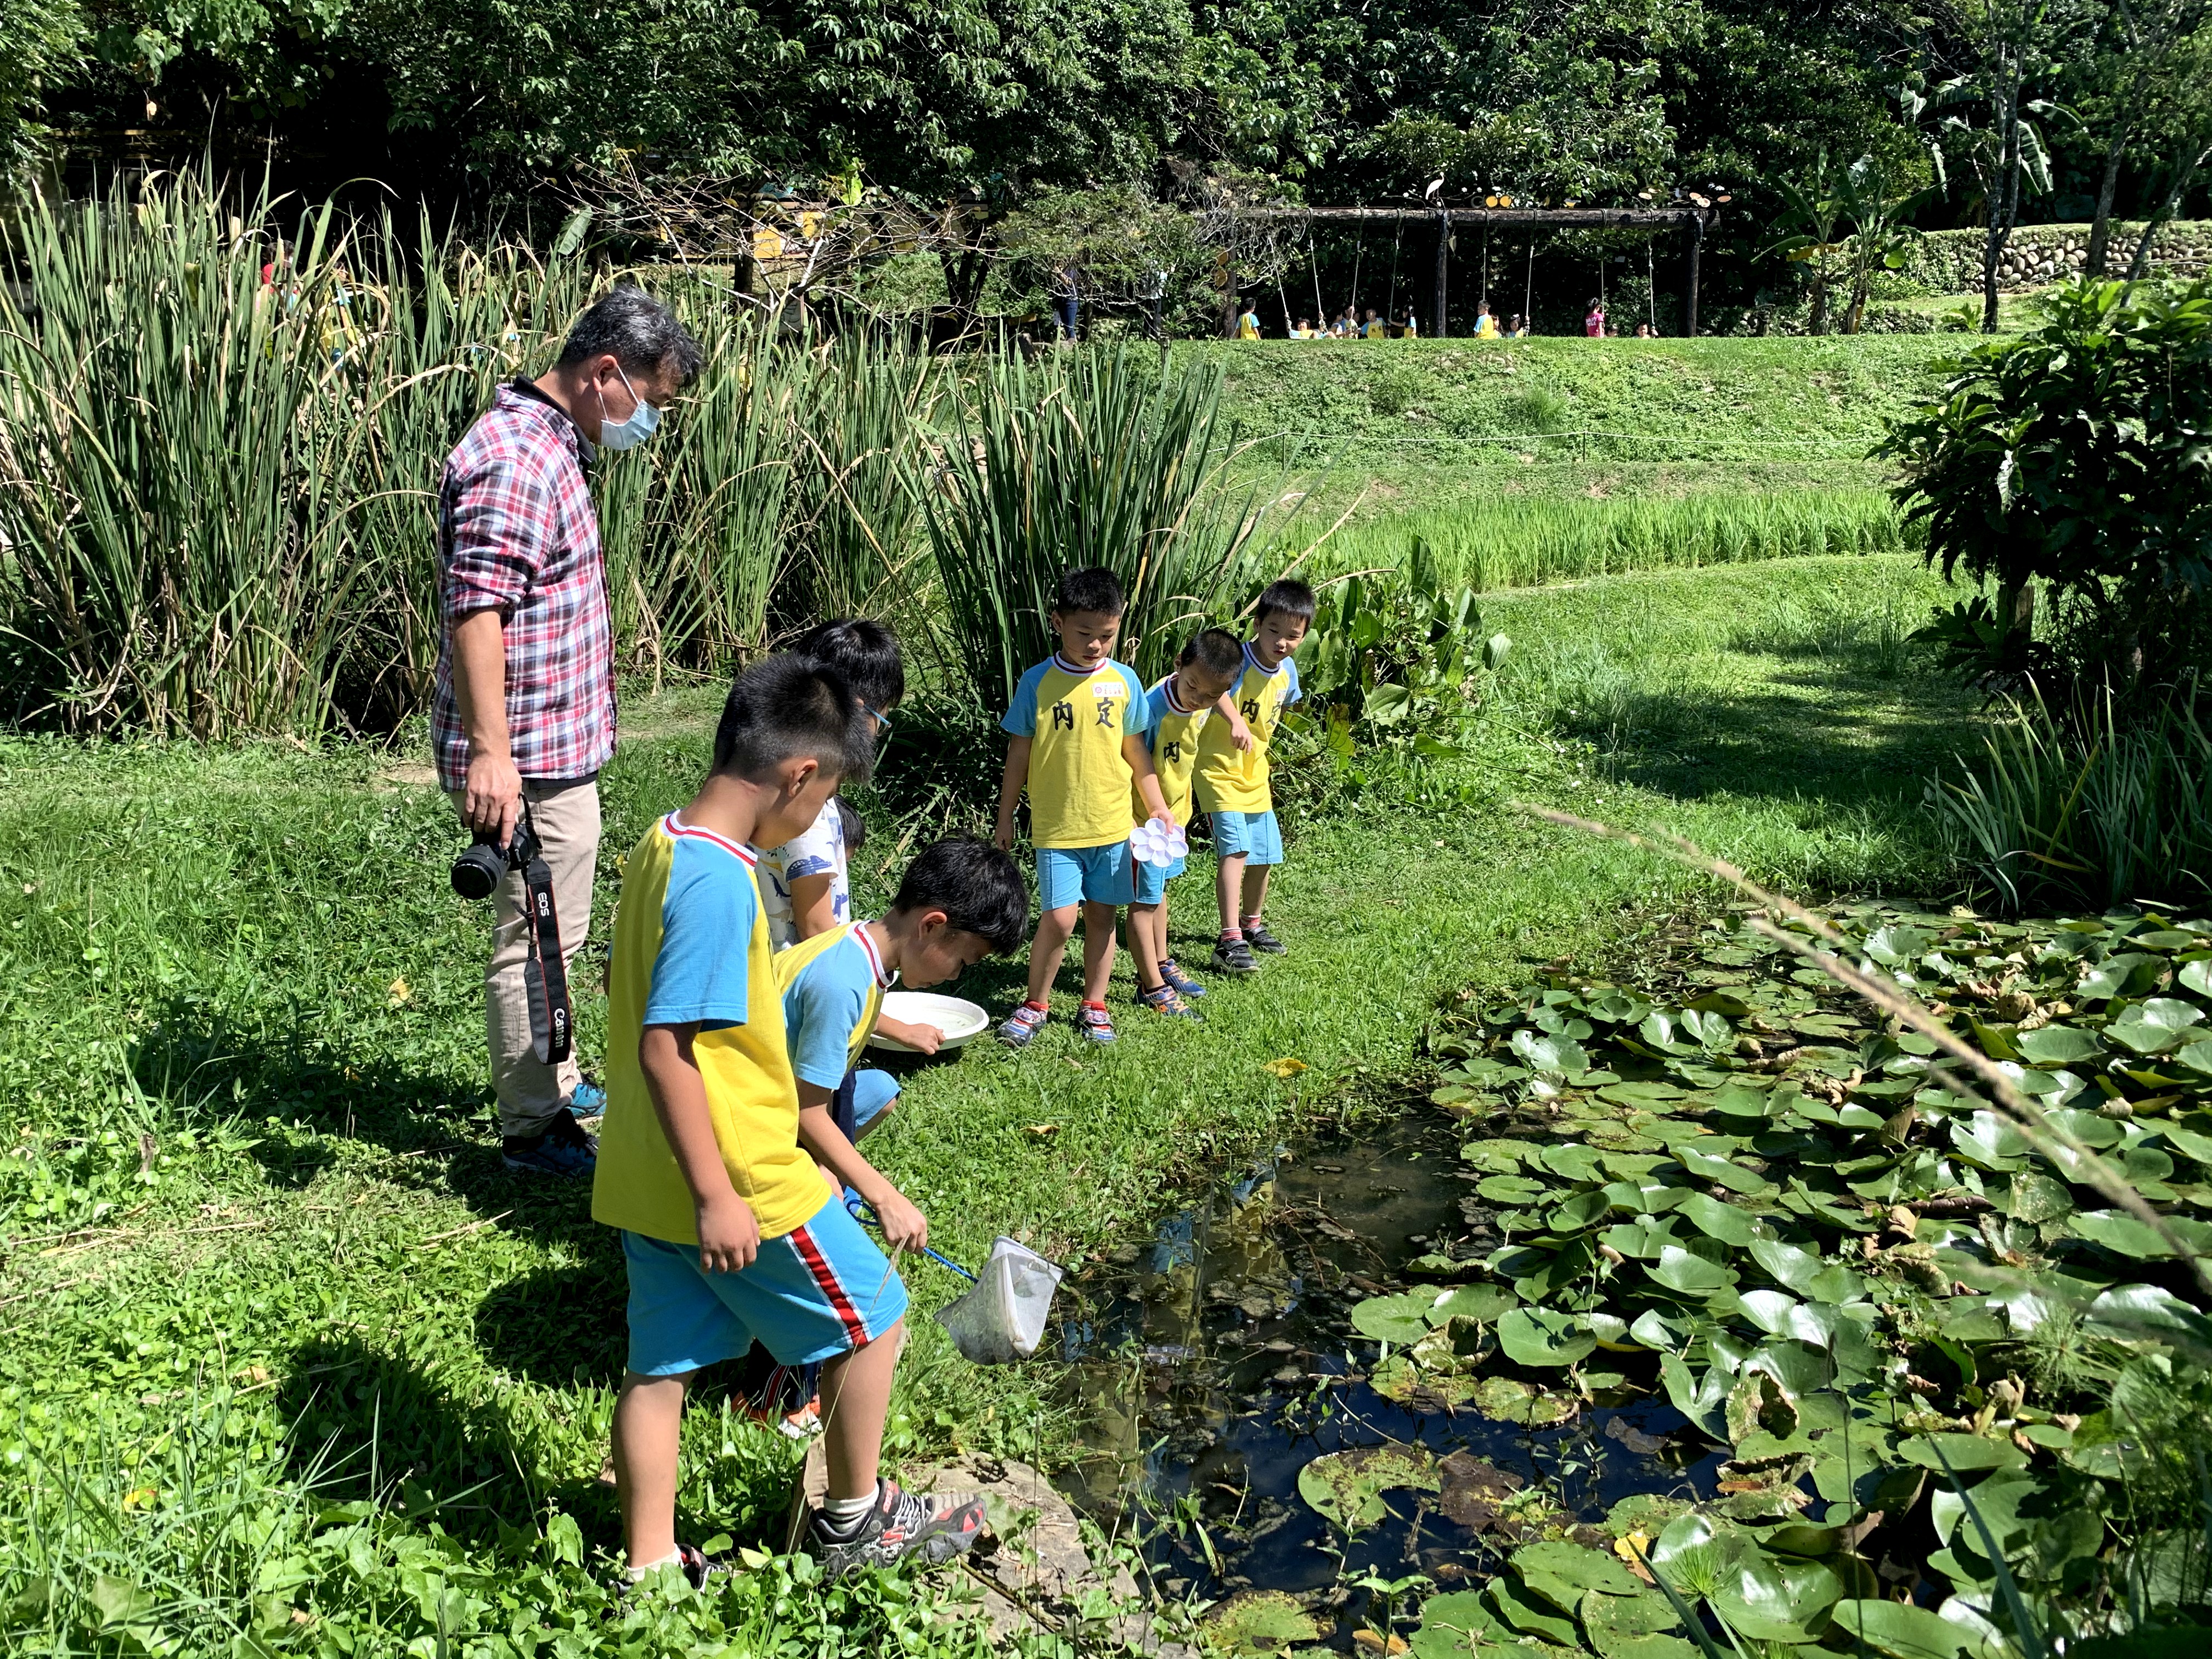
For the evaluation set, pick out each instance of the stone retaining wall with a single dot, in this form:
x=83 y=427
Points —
x=1950 y=261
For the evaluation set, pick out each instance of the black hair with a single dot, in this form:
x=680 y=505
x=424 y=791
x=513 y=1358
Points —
x=854 y=826
x=1214 y=649
x=642 y=333
x=787 y=708
x=1290 y=596
x=1093 y=588
x=866 y=652
x=978 y=887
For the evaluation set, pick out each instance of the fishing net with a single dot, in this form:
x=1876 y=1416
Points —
x=1001 y=1317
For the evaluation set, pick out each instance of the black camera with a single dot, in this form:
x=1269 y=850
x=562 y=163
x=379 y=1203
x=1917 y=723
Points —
x=479 y=872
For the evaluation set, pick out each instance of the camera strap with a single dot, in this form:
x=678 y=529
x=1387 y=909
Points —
x=545 y=972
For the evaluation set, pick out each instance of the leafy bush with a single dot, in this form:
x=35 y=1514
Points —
x=2075 y=456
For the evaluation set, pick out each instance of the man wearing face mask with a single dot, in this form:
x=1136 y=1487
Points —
x=524 y=710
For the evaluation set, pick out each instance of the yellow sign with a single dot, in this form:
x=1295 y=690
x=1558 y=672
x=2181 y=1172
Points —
x=768 y=242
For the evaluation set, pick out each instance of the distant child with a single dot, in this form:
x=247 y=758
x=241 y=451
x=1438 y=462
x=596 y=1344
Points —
x=1412 y=326
x=1232 y=775
x=1376 y=329
x=1077 y=743
x=1593 y=324
x=728 y=1232
x=1486 y=325
x=1248 y=326
x=1180 y=705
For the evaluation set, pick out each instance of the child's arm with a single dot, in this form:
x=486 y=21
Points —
x=814 y=904
x=1239 y=733
x=729 y=1235
x=1147 y=776
x=1010 y=789
x=903 y=1226
x=922 y=1039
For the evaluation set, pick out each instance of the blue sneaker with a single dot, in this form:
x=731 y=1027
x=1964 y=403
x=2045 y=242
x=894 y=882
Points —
x=1183 y=983
x=1165 y=1000
x=1094 y=1023
x=1018 y=1028
x=589 y=1100
x=562 y=1150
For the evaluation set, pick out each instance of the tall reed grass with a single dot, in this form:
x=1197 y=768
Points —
x=217 y=492
x=1091 y=458
x=2087 y=806
x=1517 y=541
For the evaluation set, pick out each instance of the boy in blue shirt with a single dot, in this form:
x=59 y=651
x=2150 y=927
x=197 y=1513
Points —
x=1182 y=705
x=727 y=1233
x=1232 y=775
x=1076 y=742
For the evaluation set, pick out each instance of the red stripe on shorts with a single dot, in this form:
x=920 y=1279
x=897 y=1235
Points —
x=856 y=1328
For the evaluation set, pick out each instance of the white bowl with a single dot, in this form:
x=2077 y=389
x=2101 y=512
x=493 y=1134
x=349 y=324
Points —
x=960 y=1020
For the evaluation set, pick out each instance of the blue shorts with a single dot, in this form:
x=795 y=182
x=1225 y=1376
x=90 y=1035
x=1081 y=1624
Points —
x=1256 y=835
x=820 y=1290
x=1152 y=880
x=872 y=1094
x=1067 y=874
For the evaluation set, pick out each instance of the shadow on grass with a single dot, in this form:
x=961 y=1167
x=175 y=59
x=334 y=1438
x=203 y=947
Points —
x=365 y=1424
x=440 y=1128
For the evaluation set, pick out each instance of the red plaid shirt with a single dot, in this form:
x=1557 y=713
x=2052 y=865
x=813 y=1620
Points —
x=517 y=535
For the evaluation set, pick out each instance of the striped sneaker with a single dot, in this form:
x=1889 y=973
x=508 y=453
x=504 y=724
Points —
x=1183 y=983
x=1165 y=1000
x=1094 y=1023
x=1020 y=1027
x=902 y=1524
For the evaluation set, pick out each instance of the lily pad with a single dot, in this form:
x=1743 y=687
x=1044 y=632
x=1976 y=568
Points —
x=1539 y=1337
x=2153 y=1027
x=1563 y=1573
x=1714 y=1220
x=1394 y=1318
x=1524 y=1613
x=1734 y=1177
x=1257 y=1622
x=2057 y=1045
x=1453 y=1624
x=2128 y=974
x=1552 y=1056
x=1482 y=1302
x=1692 y=1275
x=1903 y=1632
x=1772 y=1599
x=1504 y=1400
x=1499 y=1157
x=1346 y=1487
x=1789 y=1266
x=1965 y=1452
x=1512 y=1189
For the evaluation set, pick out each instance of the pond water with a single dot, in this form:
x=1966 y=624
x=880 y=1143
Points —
x=1216 y=1359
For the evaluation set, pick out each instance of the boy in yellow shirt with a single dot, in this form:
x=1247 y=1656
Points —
x=1076 y=742
x=1231 y=784
x=728 y=1232
x=1182 y=705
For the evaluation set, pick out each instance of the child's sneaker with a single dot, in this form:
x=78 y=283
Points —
x=588 y=1102
x=1018 y=1027
x=1257 y=935
x=902 y=1524
x=788 y=1402
x=1233 y=955
x=697 y=1568
x=1183 y=983
x=563 y=1149
x=1094 y=1023
x=1164 y=999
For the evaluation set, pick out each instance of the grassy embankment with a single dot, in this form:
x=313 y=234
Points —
x=1427 y=425
x=259 y=1245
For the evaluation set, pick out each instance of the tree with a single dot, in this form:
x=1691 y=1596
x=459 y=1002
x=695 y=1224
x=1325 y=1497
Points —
x=2141 y=46
x=2181 y=111
x=46 y=40
x=2075 y=456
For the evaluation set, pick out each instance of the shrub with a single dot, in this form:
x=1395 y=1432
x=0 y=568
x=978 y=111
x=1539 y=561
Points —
x=2075 y=456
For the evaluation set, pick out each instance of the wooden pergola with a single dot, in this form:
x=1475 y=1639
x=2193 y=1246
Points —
x=1695 y=217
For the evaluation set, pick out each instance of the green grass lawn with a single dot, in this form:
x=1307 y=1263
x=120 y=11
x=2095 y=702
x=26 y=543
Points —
x=262 y=1261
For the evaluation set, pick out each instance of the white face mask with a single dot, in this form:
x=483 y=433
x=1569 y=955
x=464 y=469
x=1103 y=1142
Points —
x=641 y=423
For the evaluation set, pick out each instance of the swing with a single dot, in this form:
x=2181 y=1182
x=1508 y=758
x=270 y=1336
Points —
x=1358 y=253
x=1313 y=254
x=1397 y=236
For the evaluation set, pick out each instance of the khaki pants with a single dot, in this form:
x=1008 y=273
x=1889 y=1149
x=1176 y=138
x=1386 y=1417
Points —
x=566 y=816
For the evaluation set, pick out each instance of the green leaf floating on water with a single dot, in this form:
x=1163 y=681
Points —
x=1511 y=1190
x=1691 y=1275
x=1967 y=1453
x=1504 y=1400
x=1896 y=944
x=1772 y=1599
x=1450 y=1624
x=2137 y=1313
x=1716 y=1219
x=2056 y=1045
x=1524 y=1613
x=1538 y=1336
x=1258 y=1621
x=1555 y=1056
x=2122 y=1234
x=1482 y=1302
x=1734 y=1177
x=1632 y=1627
x=2124 y=974
x=1903 y=1632
x=1346 y=1487
x=2153 y=1027
x=1562 y=1573
x=1394 y=1318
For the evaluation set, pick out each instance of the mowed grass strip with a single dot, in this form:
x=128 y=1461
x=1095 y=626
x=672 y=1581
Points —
x=251 y=1155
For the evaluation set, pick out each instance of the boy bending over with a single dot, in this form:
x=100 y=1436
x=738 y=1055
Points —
x=1077 y=743
x=1181 y=707
x=728 y=1232
x=1233 y=779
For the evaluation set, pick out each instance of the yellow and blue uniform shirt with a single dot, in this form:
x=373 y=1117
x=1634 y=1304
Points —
x=1079 y=780
x=833 y=987
x=1173 y=739
x=691 y=947
x=1231 y=779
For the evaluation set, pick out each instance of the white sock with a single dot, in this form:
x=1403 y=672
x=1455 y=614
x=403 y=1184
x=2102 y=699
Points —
x=638 y=1573
x=844 y=1514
